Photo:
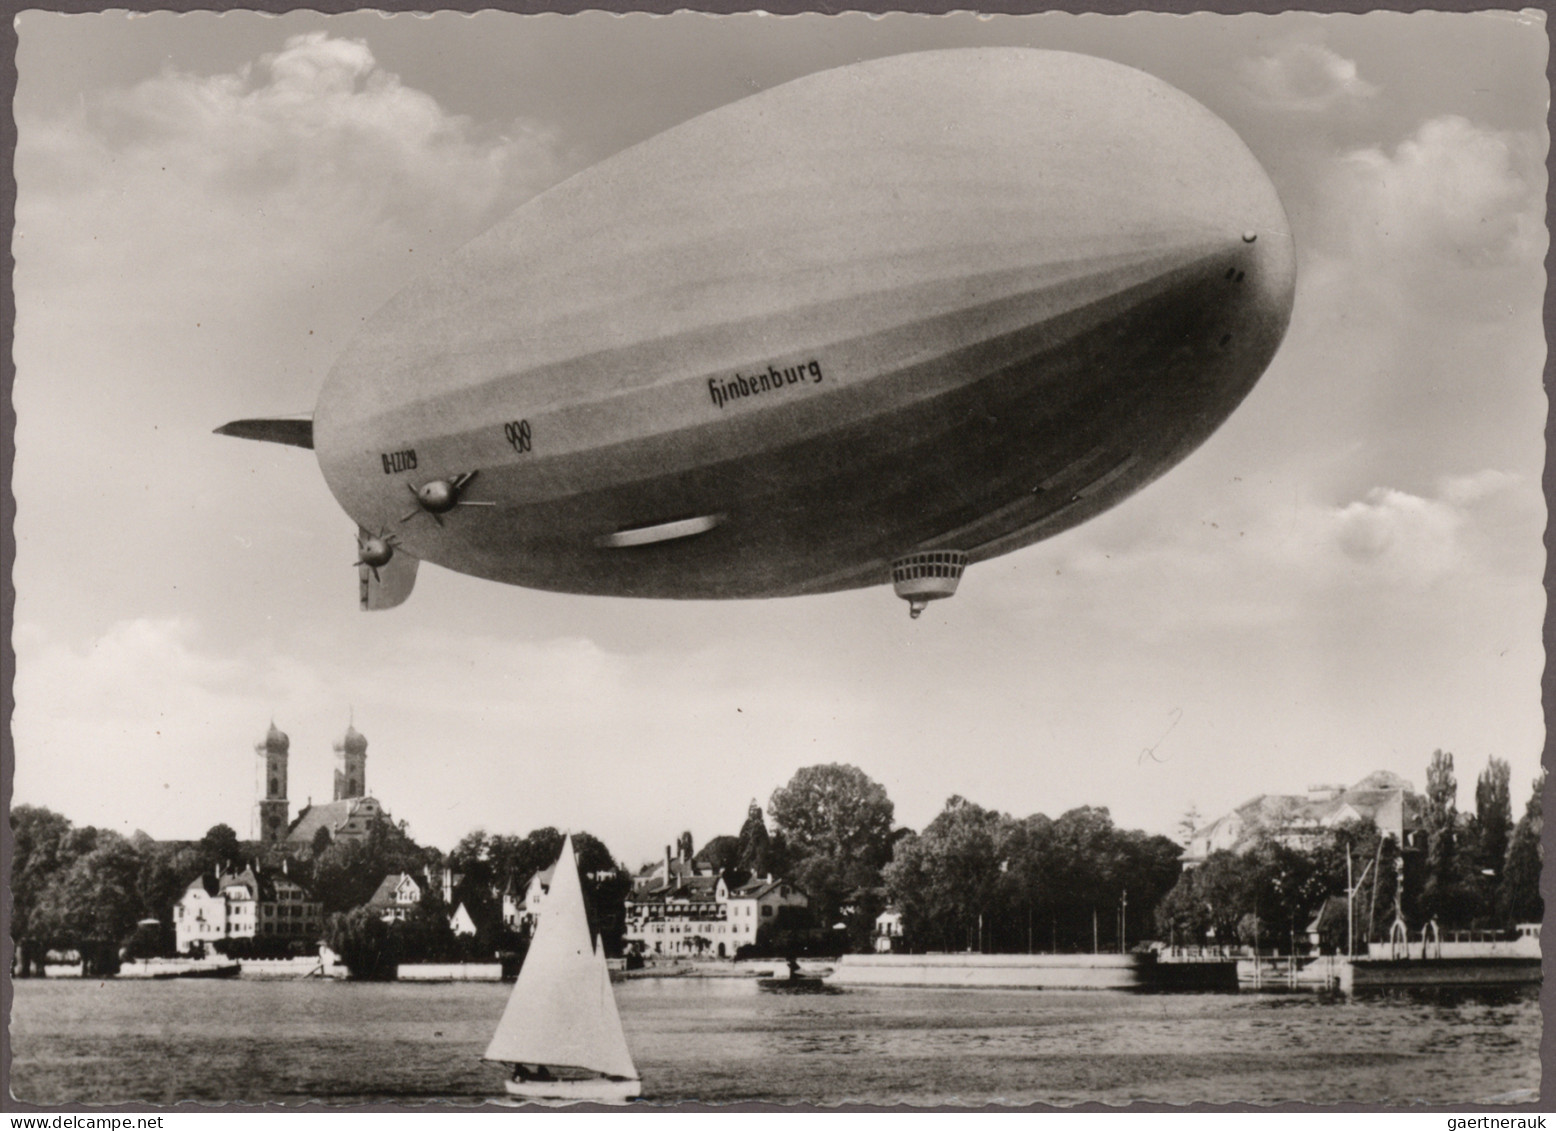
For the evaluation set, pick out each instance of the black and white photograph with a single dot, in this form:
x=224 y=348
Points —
x=946 y=560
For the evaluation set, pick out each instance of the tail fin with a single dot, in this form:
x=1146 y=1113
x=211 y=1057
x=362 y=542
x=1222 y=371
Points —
x=276 y=430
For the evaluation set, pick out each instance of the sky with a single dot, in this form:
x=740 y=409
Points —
x=1344 y=578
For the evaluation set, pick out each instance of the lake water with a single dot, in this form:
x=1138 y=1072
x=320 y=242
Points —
x=722 y=1040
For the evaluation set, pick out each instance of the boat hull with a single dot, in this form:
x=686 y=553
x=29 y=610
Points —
x=871 y=311
x=594 y=1089
x=798 y=985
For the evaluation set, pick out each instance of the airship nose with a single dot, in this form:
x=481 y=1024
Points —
x=1262 y=278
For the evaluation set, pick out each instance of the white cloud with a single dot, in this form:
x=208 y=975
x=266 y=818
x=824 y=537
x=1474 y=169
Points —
x=1415 y=536
x=195 y=248
x=1455 y=190
x=1247 y=559
x=296 y=167
x=1472 y=529
x=1305 y=77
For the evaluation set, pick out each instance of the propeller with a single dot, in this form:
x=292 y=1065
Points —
x=376 y=551
x=439 y=496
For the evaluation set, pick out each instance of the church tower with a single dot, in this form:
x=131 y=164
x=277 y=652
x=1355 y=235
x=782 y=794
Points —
x=351 y=766
x=273 y=806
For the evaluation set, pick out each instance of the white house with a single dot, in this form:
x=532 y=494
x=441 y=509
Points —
x=200 y=915
x=703 y=915
x=460 y=921
x=397 y=894
x=521 y=907
x=253 y=903
x=888 y=930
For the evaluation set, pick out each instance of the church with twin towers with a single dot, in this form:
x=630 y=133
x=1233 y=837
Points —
x=350 y=815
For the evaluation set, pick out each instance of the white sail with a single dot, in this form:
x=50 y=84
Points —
x=562 y=1011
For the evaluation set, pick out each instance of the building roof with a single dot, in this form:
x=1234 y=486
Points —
x=383 y=895
x=1383 y=779
x=757 y=887
x=205 y=881
x=679 y=866
x=259 y=882
x=332 y=815
x=691 y=889
x=544 y=876
x=1384 y=798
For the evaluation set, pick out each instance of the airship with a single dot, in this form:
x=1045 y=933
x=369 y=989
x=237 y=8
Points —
x=874 y=325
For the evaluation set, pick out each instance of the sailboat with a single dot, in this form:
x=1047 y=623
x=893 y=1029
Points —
x=560 y=1030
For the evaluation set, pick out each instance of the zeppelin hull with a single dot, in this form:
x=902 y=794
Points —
x=963 y=299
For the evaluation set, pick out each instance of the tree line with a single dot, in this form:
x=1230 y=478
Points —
x=89 y=890
x=973 y=878
x=1462 y=871
x=978 y=879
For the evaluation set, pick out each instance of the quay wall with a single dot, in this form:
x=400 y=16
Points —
x=450 y=972
x=1373 y=973
x=1032 y=971
x=167 y=967
x=310 y=966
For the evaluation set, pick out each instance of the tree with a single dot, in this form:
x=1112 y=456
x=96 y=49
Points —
x=473 y=855
x=1359 y=844
x=1210 y=901
x=503 y=862
x=1189 y=824
x=220 y=847
x=145 y=942
x=1149 y=868
x=363 y=942
x=753 y=851
x=93 y=905
x=41 y=849
x=1282 y=890
x=948 y=879
x=347 y=873
x=165 y=874
x=832 y=809
x=515 y=859
x=836 y=823
x=1181 y=917
x=321 y=841
x=1032 y=883
x=1493 y=825
x=1086 y=861
x=721 y=855
x=1439 y=892
x=1519 y=900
